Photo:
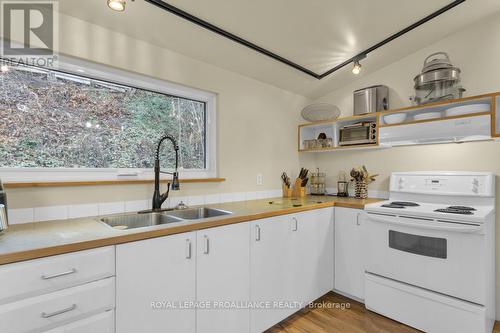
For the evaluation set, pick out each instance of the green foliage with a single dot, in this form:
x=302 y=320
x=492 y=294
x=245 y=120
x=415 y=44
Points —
x=48 y=121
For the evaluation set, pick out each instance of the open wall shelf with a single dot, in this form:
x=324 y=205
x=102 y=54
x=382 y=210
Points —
x=443 y=125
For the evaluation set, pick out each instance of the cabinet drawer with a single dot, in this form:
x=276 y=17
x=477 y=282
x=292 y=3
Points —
x=41 y=313
x=39 y=276
x=100 y=323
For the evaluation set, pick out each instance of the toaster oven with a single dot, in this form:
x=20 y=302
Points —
x=357 y=134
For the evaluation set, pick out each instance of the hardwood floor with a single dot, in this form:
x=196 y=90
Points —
x=329 y=319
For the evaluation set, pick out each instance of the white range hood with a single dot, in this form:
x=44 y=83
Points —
x=440 y=131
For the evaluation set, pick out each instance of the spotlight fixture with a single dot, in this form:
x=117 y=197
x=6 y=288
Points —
x=356 y=69
x=117 y=5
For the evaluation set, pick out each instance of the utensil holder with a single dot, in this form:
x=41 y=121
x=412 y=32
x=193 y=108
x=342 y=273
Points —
x=298 y=190
x=361 y=189
x=287 y=191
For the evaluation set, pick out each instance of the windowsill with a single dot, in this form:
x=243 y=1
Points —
x=20 y=184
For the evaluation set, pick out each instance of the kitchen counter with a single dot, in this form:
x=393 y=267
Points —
x=42 y=239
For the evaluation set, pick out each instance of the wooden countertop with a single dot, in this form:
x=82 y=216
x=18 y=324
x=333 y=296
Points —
x=41 y=239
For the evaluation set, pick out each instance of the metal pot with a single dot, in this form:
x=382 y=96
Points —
x=438 y=80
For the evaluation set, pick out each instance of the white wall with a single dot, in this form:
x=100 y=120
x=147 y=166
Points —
x=476 y=50
x=256 y=122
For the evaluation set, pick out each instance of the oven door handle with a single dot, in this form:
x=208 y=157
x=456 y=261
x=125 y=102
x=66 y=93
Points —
x=423 y=224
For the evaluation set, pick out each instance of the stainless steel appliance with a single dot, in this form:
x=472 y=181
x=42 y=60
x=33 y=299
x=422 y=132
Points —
x=439 y=80
x=430 y=251
x=359 y=133
x=3 y=209
x=371 y=99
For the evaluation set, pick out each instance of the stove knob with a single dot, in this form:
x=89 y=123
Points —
x=401 y=183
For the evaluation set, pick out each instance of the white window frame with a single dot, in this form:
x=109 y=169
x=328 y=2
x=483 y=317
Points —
x=105 y=73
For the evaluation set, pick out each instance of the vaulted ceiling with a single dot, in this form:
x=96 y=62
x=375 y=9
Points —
x=317 y=35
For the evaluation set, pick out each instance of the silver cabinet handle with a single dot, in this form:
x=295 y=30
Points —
x=56 y=313
x=357 y=219
x=48 y=277
x=295 y=224
x=205 y=244
x=188 y=249
x=257 y=233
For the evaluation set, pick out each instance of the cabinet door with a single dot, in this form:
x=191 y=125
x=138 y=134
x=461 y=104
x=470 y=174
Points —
x=152 y=277
x=271 y=272
x=349 y=269
x=223 y=278
x=312 y=248
x=100 y=323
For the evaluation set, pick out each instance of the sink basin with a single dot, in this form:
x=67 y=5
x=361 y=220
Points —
x=132 y=221
x=198 y=213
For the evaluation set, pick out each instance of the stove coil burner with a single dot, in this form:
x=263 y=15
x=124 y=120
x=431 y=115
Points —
x=400 y=204
x=454 y=211
x=391 y=205
x=462 y=208
x=405 y=203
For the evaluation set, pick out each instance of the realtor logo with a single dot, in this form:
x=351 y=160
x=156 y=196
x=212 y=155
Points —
x=29 y=32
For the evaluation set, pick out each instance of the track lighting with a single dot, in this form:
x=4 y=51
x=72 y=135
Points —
x=356 y=69
x=117 y=5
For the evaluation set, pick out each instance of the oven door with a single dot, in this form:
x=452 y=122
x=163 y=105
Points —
x=445 y=257
x=355 y=135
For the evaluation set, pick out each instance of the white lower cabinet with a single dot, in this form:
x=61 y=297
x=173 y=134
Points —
x=154 y=279
x=44 y=312
x=100 y=323
x=349 y=267
x=275 y=265
x=291 y=264
x=312 y=254
x=271 y=281
x=202 y=274
x=223 y=279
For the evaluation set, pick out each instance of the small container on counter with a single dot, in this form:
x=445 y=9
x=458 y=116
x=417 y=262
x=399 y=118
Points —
x=318 y=186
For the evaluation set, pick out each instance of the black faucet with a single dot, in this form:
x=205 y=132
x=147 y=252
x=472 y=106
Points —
x=159 y=198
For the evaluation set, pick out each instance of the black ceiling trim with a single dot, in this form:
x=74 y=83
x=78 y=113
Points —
x=198 y=21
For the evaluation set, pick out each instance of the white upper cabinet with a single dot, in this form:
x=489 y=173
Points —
x=349 y=265
x=153 y=277
x=223 y=275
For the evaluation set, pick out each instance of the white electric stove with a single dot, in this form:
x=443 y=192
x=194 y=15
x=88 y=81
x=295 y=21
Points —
x=430 y=251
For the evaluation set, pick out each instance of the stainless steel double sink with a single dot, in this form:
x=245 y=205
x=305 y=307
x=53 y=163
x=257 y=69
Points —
x=149 y=219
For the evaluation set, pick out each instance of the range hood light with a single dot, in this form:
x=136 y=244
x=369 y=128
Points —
x=117 y=5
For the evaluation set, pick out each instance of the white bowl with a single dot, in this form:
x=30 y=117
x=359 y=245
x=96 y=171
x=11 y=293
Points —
x=427 y=116
x=467 y=109
x=394 y=118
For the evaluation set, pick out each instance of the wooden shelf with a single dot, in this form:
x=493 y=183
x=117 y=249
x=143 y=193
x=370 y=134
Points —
x=439 y=106
x=440 y=103
x=353 y=147
x=105 y=182
x=437 y=119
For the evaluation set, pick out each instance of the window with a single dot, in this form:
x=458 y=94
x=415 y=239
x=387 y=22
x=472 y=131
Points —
x=62 y=125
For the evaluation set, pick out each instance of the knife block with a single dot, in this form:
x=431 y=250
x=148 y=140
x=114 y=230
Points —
x=287 y=191
x=298 y=190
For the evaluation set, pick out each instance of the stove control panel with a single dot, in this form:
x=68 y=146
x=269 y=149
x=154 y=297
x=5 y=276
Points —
x=444 y=183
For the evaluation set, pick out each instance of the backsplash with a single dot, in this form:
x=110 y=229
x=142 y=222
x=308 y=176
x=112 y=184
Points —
x=38 y=214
